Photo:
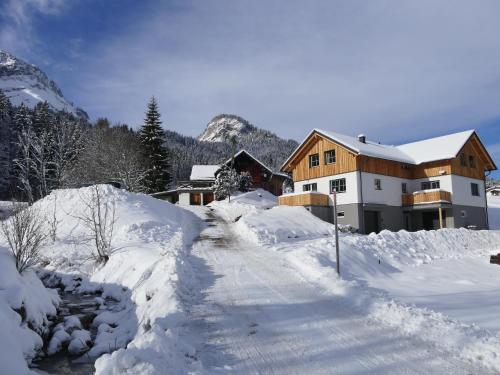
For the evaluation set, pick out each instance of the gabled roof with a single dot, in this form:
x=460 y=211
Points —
x=241 y=152
x=204 y=172
x=433 y=149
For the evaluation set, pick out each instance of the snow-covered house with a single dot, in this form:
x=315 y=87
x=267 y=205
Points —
x=434 y=183
x=198 y=190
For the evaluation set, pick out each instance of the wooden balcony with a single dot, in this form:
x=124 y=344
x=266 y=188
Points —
x=304 y=199
x=426 y=197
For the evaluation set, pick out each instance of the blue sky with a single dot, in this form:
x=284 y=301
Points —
x=396 y=71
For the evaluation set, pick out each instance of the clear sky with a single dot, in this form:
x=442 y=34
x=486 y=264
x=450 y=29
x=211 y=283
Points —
x=395 y=70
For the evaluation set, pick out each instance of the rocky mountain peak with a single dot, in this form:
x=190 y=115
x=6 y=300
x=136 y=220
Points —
x=225 y=126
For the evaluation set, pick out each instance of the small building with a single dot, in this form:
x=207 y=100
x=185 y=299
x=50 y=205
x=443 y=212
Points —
x=199 y=189
x=429 y=184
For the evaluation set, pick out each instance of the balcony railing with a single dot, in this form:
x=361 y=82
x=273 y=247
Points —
x=426 y=197
x=304 y=199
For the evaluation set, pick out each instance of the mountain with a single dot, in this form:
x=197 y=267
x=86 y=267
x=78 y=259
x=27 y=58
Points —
x=213 y=145
x=26 y=83
x=223 y=127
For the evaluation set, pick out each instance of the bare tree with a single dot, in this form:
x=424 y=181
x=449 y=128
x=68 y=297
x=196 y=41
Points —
x=99 y=218
x=25 y=233
x=24 y=163
x=53 y=222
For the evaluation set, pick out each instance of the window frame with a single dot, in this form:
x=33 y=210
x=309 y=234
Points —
x=313 y=186
x=330 y=152
x=463 y=161
x=378 y=184
x=472 y=161
x=311 y=159
x=430 y=183
x=341 y=214
x=404 y=188
x=340 y=184
x=474 y=188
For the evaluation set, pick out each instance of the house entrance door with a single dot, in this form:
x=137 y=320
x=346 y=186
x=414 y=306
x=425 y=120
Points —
x=372 y=221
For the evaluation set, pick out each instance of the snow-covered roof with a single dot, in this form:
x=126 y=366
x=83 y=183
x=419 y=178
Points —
x=250 y=155
x=438 y=148
x=203 y=172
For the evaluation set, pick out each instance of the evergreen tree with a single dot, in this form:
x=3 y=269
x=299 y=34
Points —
x=156 y=154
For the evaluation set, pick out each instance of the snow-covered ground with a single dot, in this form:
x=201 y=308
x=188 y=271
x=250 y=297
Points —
x=494 y=211
x=256 y=292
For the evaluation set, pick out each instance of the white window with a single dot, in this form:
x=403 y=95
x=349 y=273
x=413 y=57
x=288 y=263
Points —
x=313 y=160
x=404 y=187
x=310 y=187
x=426 y=185
x=378 y=184
x=338 y=185
x=340 y=214
x=474 y=188
x=330 y=157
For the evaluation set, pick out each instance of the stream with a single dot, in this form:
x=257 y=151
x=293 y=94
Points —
x=85 y=307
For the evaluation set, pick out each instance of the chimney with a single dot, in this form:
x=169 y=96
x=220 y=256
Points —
x=362 y=138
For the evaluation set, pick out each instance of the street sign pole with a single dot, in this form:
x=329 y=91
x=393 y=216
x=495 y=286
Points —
x=336 y=229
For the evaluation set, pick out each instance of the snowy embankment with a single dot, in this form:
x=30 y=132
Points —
x=494 y=211
x=25 y=305
x=147 y=274
x=372 y=265
x=245 y=203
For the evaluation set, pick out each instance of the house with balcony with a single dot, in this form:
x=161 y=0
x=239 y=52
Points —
x=429 y=184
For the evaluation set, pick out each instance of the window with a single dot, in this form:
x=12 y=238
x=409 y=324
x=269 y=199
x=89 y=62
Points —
x=313 y=160
x=378 y=184
x=426 y=185
x=463 y=213
x=338 y=185
x=310 y=187
x=404 y=188
x=472 y=161
x=474 y=189
x=330 y=157
x=341 y=214
x=462 y=160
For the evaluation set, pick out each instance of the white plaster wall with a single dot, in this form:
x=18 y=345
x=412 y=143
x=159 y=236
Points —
x=352 y=194
x=391 y=193
x=184 y=199
x=462 y=194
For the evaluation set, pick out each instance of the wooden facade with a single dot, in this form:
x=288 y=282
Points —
x=349 y=161
x=345 y=160
x=305 y=199
x=423 y=197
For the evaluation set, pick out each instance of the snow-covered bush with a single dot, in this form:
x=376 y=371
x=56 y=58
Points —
x=226 y=182
x=25 y=233
x=99 y=218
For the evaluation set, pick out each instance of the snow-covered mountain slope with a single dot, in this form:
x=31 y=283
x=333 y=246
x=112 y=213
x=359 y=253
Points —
x=26 y=83
x=223 y=127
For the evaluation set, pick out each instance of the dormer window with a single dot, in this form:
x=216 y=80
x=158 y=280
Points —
x=330 y=157
x=462 y=160
x=472 y=161
x=313 y=160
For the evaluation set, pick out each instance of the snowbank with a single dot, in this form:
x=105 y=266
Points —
x=283 y=224
x=244 y=203
x=146 y=273
x=24 y=303
x=494 y=211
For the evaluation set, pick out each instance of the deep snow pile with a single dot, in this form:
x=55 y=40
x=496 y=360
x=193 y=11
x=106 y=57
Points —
x=307 y=245
x=144 y=273
x=24 y=303
x=244 y=203
x=494 y=211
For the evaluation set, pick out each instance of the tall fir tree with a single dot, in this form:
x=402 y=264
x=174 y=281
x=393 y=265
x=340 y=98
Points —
x=152 y=139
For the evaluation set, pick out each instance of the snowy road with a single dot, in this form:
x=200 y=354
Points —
x=258 y=315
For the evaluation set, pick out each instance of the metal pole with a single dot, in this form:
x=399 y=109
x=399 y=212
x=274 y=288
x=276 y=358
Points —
x=336 y=218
